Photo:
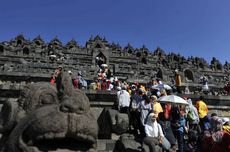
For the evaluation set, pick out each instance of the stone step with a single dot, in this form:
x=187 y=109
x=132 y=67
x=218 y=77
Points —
x=105 y=145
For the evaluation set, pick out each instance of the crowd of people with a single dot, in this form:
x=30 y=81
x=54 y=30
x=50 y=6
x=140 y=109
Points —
x=106 y=81
x=174 y=127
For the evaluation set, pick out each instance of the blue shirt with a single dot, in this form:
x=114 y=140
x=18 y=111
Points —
x=182 y=123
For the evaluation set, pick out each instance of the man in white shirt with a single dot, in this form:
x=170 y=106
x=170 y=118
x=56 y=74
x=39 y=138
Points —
x=123 y=98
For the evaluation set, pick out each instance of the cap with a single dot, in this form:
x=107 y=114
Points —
x=153 y=96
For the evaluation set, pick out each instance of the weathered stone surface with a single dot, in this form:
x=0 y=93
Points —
x=127 y=143
x=39 y=121
x=111 y=121
x=28 y=58
x=147 y=143
x=122 y=123
x=23 y=61
x=118 y=121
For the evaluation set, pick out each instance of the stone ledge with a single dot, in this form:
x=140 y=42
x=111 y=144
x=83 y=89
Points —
x=105 y=145
x=219 y=107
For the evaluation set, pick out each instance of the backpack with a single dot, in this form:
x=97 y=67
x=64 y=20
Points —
x=192 y=117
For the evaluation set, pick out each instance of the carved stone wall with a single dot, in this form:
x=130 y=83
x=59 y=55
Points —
x=128 y=63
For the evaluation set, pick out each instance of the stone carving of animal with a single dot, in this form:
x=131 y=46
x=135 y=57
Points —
x=43 y=121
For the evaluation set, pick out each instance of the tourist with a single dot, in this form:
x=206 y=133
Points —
x=204 y=119
x=165 y=122
x=163 y=93
x=98 y=83
x=104 y=85
x=178 y=81
x=145 y=108
x=58 y=79
x=156 y=106
x=205 y=87
x=154 y=134
x=226 y=124
x=93 y=85
x=123 y=99
x=74 y=81
x=108 y=73
x=216 y=139
x=203 y=114
x=136 y=98
x=110 y=85
x=179 y=125
x=52 y=81
x=186 y=90
x=82 y=83
x=192 y=116
x=194 y=127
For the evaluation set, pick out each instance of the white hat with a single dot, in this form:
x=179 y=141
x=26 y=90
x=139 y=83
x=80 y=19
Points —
x=119 y=88
x=70 y=72
x=152 y=115
x=225 y=120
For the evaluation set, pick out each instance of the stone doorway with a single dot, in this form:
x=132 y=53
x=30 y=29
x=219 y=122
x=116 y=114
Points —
x=188 y=75
x=159 y=74
x=100 y=59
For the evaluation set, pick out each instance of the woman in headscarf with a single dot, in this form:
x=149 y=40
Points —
x=216 y=139
x=154 y=134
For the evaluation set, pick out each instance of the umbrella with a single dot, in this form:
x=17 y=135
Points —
x=173 y=99
x=162 y=86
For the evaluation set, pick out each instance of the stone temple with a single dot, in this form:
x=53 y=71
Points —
x=36 y=60
x=26 y=64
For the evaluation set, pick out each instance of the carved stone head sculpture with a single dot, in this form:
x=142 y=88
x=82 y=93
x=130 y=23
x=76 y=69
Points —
x=42 y=121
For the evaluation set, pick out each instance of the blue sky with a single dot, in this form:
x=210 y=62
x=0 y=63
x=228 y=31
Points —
x=189 y=27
